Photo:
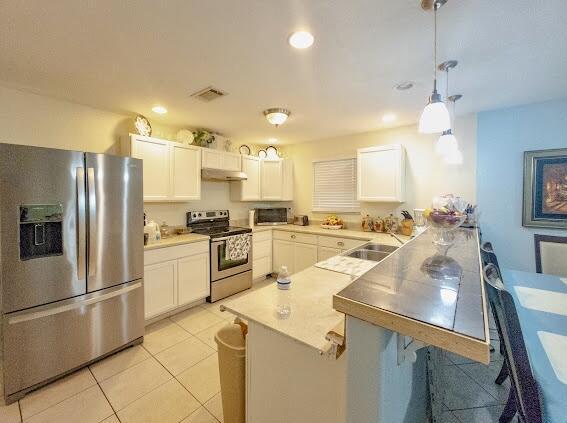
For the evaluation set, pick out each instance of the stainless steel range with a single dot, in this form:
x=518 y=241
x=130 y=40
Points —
x=228 y=276
x=71 y=261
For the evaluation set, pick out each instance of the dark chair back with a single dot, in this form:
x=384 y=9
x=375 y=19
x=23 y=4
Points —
x=516 y=356
x=488 y=255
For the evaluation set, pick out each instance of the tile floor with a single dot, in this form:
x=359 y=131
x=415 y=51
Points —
x=173 y=377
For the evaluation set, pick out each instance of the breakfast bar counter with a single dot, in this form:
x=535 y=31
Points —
x=437 y=298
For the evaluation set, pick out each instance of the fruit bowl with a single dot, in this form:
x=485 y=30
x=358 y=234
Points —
x=445 y=220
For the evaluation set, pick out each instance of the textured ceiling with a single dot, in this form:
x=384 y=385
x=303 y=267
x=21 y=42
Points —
x=127 y=56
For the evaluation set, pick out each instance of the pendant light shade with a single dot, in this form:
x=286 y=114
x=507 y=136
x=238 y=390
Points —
x=446 y=144
x=454 y=158
x=434 y=118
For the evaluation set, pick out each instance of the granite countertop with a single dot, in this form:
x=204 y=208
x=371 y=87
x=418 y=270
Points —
x=438 y=299
x=310 y=300
x=382 y=238
x=176 y=240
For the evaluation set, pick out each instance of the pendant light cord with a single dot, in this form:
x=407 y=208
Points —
x=435 y=45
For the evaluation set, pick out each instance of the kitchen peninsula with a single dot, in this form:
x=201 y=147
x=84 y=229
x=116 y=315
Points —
x=411 y=299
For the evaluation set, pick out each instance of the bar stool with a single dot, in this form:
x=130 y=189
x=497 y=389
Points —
x=524 y=395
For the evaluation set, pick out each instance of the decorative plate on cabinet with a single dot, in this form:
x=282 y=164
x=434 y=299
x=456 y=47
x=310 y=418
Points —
x=143 y=126
x=185 y=136
x=244 y=149
x=262 y=154
x=272 y=152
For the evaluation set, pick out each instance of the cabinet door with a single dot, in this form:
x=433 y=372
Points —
x=305 y=255
x=185 y=172
x=155 y=154
x=250 y=189
x=160 y=288
x=193 y=278
x=231 y=161
x=283 y=255
x=287 y=194
x=323 y=253
x=271 y=178
x=212 y=159
x=381 y=174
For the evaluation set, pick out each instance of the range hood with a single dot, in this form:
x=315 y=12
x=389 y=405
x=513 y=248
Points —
x=222 y=175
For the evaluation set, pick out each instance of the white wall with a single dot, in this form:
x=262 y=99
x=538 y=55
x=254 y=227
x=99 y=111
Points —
x=426 y=174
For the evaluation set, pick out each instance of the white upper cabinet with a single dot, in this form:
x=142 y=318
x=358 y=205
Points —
x=155 y=154
x=271 y=174
x=216 y=159
x=248 y=190
x=186 y=172
x=381 y=173
x=287 y=180
x=172 y=171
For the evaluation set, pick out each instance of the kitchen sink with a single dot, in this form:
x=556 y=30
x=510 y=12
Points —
x=379 y=247
x=368 y=255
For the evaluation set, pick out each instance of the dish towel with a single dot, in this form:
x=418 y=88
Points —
x=237 y=247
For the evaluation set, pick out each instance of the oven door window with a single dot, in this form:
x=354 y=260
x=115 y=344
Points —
x=224 y=262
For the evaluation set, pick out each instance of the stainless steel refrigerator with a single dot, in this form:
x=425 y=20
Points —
x=71 y=261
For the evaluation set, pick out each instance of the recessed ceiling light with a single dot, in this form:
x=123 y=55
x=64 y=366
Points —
x=301 y=40
x=404 y=85
x=159 y=110
x=389 y=118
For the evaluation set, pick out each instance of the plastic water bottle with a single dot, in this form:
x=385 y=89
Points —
x=284 y=278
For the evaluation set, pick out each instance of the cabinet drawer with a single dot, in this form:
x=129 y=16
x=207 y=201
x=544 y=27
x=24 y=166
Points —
x=261 y=267
x=296 y=237
x=175 y=252
x=342 y=243
x=262 y=236
x=262 y=249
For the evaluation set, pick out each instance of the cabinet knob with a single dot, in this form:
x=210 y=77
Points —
x=293 y=237
x=340 y=243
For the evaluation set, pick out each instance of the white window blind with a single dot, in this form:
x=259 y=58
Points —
x=334 y=187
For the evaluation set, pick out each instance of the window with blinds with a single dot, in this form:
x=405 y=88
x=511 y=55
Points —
x=334 y=187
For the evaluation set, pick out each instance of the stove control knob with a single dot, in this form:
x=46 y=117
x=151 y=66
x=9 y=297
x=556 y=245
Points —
x=194 y=215
x=199 y=214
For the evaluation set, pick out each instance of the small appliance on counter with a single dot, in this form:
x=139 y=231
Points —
x=271 y=216
x=301 y=220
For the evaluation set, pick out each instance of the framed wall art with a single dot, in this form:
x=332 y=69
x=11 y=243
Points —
x=545 y=188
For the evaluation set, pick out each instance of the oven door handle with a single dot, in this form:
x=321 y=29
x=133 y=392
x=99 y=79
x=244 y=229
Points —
x=224 y=238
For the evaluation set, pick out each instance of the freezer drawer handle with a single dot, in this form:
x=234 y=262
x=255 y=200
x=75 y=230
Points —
x=92 y=222
x=67 y=307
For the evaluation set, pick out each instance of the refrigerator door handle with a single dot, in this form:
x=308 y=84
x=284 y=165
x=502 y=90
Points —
x=57 y=309
x=81 y=224
x=92 y=222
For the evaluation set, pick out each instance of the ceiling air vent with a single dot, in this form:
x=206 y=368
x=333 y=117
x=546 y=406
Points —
x=208 y=94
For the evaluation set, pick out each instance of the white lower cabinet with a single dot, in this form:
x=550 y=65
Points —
x=283 y=255
x=175 y=276
x=305 y=255
x=261 y=254
x=160 y=288
x=193 y=278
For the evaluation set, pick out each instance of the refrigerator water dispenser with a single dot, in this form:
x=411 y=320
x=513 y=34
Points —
x=41 y=229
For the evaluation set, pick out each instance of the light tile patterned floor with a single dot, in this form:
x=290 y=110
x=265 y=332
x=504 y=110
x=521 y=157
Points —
x=174 y=377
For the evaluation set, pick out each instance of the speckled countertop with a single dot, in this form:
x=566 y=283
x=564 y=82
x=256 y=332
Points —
x=176 y=240
x=382 y=238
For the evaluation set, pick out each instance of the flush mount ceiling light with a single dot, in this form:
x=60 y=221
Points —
x=276 y=116
x=435 y=116
x=160 y=110
x=301 y=40
x=389 y=118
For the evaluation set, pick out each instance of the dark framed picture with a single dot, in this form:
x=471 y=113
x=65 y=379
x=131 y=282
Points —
x=545 y=188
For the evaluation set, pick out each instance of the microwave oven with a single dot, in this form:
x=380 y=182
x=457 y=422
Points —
x=271 y=216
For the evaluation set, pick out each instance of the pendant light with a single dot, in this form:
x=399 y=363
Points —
x=447 y=142
x=453 y=156
x=435 y=116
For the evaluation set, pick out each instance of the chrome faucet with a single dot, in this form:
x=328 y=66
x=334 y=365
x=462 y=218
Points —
x=396 y=237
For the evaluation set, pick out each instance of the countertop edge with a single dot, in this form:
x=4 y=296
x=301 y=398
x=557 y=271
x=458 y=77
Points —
x=466 y=346
x=173 y=243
